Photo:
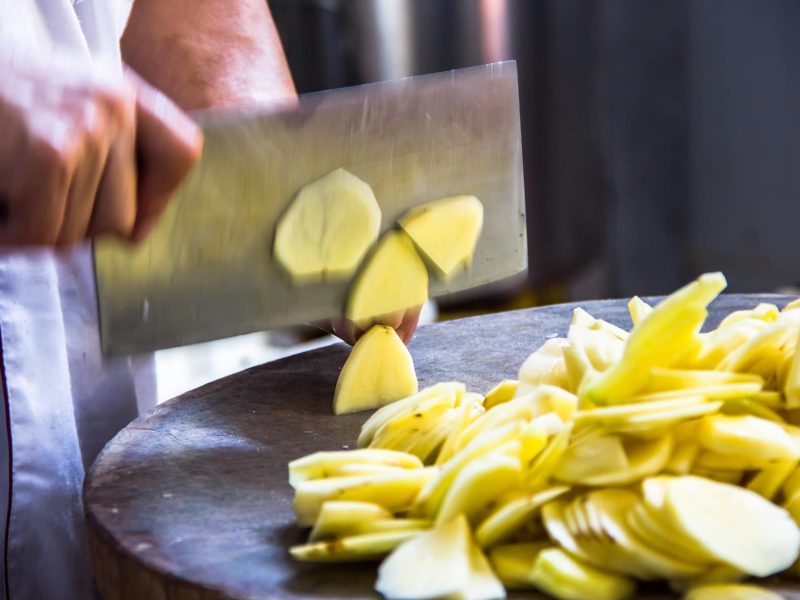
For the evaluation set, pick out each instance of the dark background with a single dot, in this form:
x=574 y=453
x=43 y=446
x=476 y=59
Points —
x=660 y=136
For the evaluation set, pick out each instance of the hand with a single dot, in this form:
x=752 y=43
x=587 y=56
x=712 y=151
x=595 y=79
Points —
x=403 y=321
x=86 y=151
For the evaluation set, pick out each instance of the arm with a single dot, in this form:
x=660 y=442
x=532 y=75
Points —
x=209 y=53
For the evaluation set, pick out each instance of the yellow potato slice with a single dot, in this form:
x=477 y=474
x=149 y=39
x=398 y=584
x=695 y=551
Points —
x=367 y=546
x=563 y=576
x=657 y=341
x=764 y=540
x=510 y=516
x=446 y=231
x=731 y=592
x=638 y=309
x=502 y=392
x=478 y=484
x=513 y=563
x=328 y=228
x=749 y=436
x=546 y=365
x=394 y=278
x=448 y=394
x=395 y=492
x=334 y=463
x=339 y=518
x=378 y=371
x=440 y=563
x=768 y=481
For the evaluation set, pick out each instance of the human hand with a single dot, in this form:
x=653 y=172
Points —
x=403 y=321
x=86 y=151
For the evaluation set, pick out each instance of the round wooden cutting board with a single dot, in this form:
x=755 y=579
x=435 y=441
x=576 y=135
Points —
x=192 y=502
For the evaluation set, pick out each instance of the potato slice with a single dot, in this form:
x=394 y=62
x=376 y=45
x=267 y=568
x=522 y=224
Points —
x=658 y=341
x=748 y=436
x=436 y=564
x=764 y=540
x=768 y=482
x=478 y=484
x=502 y=392
x=513 y=563
x=378 y=371
x=447 y=394
x=367 y=546
x=638 y=309
x=562 y=576
x=394 y=278
x=328 y=228
x=343 y=518
x=731 y=592
x=593 y=457
x=332 y=464
x=394 y=491
x=446 y=231
x=546 y=365
x=510 y=516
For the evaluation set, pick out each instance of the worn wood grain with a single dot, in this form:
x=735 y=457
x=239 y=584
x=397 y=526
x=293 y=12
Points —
x=191 y=502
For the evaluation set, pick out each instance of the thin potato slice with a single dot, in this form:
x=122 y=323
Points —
x=513 y=563
x=394 y=278
x=502 y=392
x=764 y=540
x=394 y=491
x=331 y=464
x=658 y=341
x=328 y=228
x=510 y=516
x=446 y=231
x=563 y=576
x=440 y=563
x=749 y=436
x=367 y=546
x=378 y=371
x=343 y=518
x=546 y=365
x=731 y=592
x=768 y=482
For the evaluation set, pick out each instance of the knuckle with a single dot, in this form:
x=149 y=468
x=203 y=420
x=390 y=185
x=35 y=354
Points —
x=54 y=160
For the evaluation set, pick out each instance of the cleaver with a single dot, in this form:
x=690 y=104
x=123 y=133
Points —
x=206 y=271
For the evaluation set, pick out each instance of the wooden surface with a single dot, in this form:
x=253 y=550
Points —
x=192 y=502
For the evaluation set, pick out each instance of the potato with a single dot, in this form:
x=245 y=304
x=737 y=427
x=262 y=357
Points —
x=368 y=546
x=445 y=231
x=342 y=518
x=567 y=578
x=378 y=371
x=765 y=542
x=393 y=278
x=394 y=491
x=658 y=341
x=502 y=392
x=328 y=228
x=509 y=516
x=514 y=563
x=546 y=365
x=731 y=592
x=638 y=309
x=768 y=482
x=440 y=563
x=332 y=464
x=749 y=436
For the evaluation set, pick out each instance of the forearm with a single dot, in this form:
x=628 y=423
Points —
x=209 y=52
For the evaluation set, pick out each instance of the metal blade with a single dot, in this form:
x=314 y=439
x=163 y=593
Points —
x=206 y=271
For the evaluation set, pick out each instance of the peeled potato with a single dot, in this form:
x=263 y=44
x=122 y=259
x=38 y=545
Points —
x=342 y=518
x=378 y=371
x=353 y=548
x=446 y=231
x=731 y=592
x=394 y=278
x=567 y=578
x=437 y=564
x=712 y=514
x=333 y=464
x=328 y=228
x=502 y=392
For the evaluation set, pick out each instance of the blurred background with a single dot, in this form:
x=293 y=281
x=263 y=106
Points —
x=660 y=139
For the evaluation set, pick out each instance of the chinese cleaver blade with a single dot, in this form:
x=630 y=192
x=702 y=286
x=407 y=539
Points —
x=206 y=271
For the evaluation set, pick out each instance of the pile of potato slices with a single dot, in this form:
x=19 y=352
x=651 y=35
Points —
x=663 y=453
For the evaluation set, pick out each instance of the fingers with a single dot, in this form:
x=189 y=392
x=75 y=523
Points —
x=168 y=145
x=115 y=206
x=403 y=321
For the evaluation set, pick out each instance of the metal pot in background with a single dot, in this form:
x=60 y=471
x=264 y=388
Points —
x=332 y=43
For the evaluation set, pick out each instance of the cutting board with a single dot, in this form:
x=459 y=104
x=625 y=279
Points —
x=191 y=502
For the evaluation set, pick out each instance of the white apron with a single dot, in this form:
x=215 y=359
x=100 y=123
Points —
x=62 y=403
